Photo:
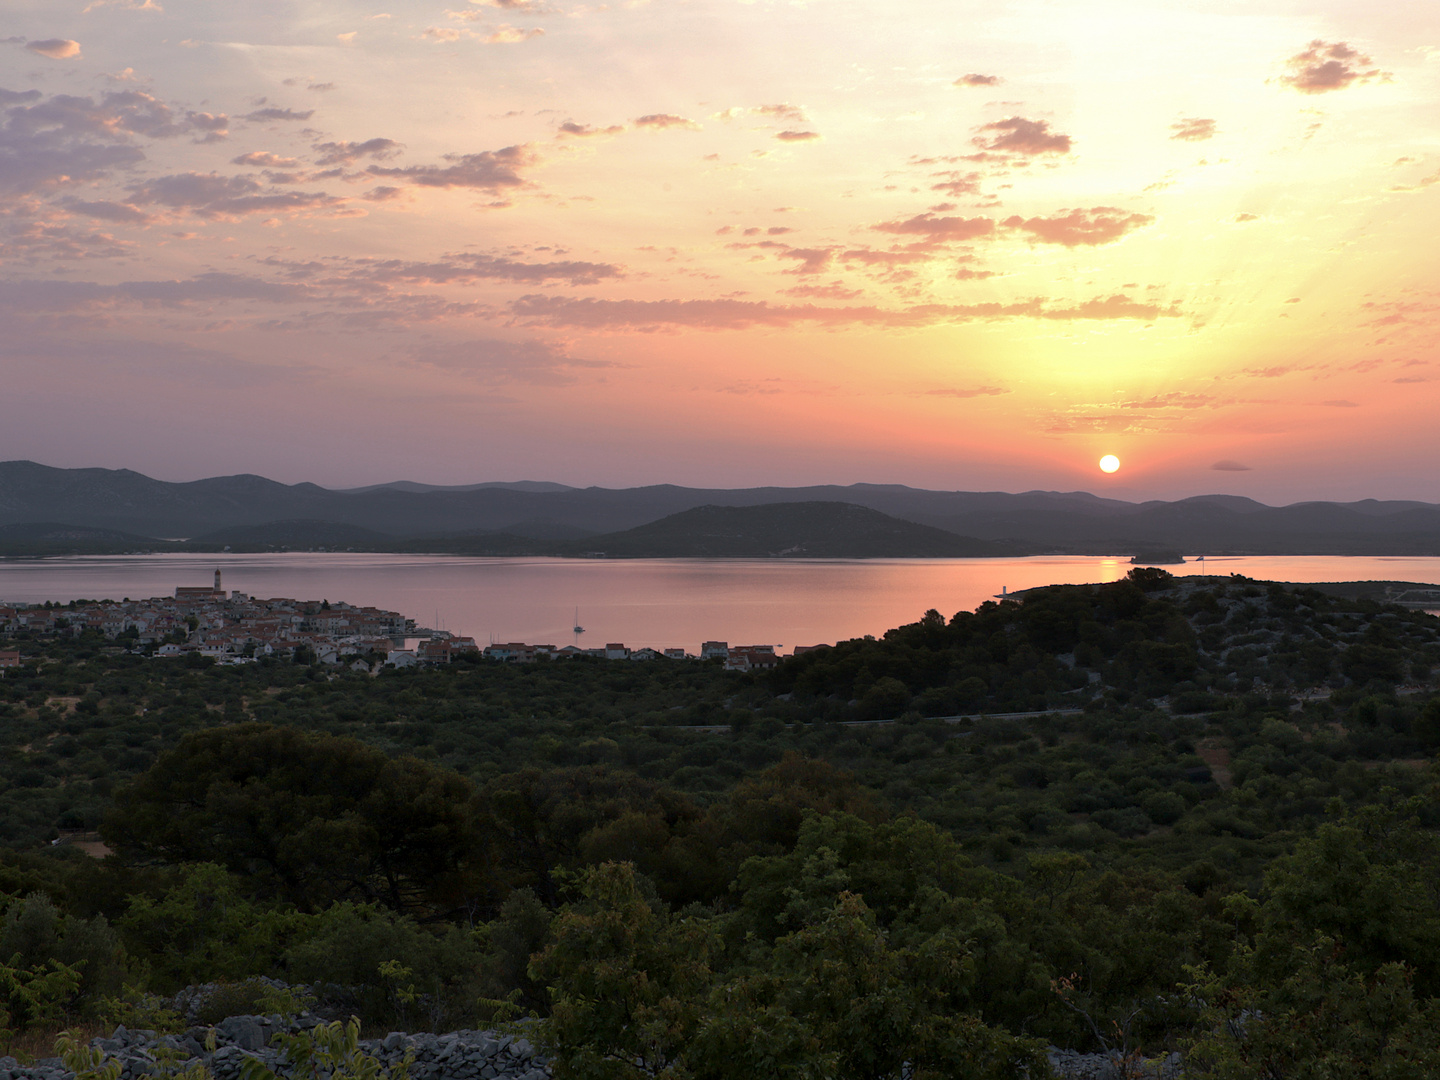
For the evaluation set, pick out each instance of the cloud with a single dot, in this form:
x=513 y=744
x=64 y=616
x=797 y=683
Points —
x=121 y=361
x=956 y=183
x=811 y=260
x=1193 y=129
x=1020 y=136
x=797 y=136
x=1080 y=228
x=470 y=267
x=664 y=121
x=264 y=159
x=507 y=5
x=489 y=170
x=833 y=291
x=1341 y=403
x=495 y=360
x=71 y=139
x=108 y=211
x=55 y=48
x=215 y=125
x=504 y=34
x=123 y=5
x=273 y=113
x=510 y=35
x=974 y=79
x=1325 y=66
x=1227 y=465
x=730 y=314
x=939 y=229
x=347 y=153
x=969 y=392
x=42 y=295
x=782 y=111
x=1241 y=219
x=28 y=241
x=571 y=130
x=210 y=195
x=1118 y=306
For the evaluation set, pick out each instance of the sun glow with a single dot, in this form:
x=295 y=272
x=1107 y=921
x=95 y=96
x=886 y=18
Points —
x=1109 y=463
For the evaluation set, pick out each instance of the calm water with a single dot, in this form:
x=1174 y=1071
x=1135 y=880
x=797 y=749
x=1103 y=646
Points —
x=659 y=602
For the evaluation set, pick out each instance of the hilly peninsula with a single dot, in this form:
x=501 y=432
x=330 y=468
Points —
x=804 y=530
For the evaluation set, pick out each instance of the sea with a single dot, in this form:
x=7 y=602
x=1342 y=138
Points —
x=641 y=602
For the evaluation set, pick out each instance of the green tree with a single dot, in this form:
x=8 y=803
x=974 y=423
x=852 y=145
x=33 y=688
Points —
x=310 y=817
x=627 y=979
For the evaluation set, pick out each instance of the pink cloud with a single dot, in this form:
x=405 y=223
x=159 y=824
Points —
x=1020 y=136
x=1080 y=228
x=1325 y=66
x=1193 y=129
x=489 y=170
x=730 y=314
x=942 y=229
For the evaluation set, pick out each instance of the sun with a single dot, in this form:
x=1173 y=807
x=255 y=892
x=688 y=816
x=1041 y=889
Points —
x=1109 y=463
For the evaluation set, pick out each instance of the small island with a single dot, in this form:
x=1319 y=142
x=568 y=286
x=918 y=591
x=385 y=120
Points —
x=1157 y=558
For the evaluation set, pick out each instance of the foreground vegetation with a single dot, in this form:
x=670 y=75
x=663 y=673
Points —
x=1215 y=833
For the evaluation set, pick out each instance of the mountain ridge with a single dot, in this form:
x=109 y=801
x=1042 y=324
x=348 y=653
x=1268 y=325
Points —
x=125 y=501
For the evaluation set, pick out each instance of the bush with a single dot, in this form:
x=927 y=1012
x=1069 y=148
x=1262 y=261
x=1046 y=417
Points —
x=231 y=999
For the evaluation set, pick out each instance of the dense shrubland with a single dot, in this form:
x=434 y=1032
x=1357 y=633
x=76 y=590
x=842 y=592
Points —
x=1221 y=839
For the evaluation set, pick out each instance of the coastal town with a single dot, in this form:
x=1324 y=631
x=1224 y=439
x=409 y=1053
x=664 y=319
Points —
x=236 y=628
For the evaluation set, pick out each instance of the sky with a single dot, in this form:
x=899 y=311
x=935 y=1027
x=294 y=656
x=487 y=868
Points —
x=957 y=245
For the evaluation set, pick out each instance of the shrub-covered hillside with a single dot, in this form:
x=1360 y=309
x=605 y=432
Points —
x=1092 y=815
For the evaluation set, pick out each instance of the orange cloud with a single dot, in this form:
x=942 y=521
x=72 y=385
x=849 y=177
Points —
x=55 y=48
x=664 y=121
x=571 y=130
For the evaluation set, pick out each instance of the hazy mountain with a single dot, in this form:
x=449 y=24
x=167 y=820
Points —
x=1075 y=521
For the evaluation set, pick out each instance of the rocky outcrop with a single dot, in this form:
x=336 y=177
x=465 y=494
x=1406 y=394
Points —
x=457 y=1055
x=1073 y=1065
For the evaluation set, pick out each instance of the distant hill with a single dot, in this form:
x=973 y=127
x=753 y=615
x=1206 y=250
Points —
x=51 y=538
x=293 y=536
x=122 y=501
x=805 y=530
